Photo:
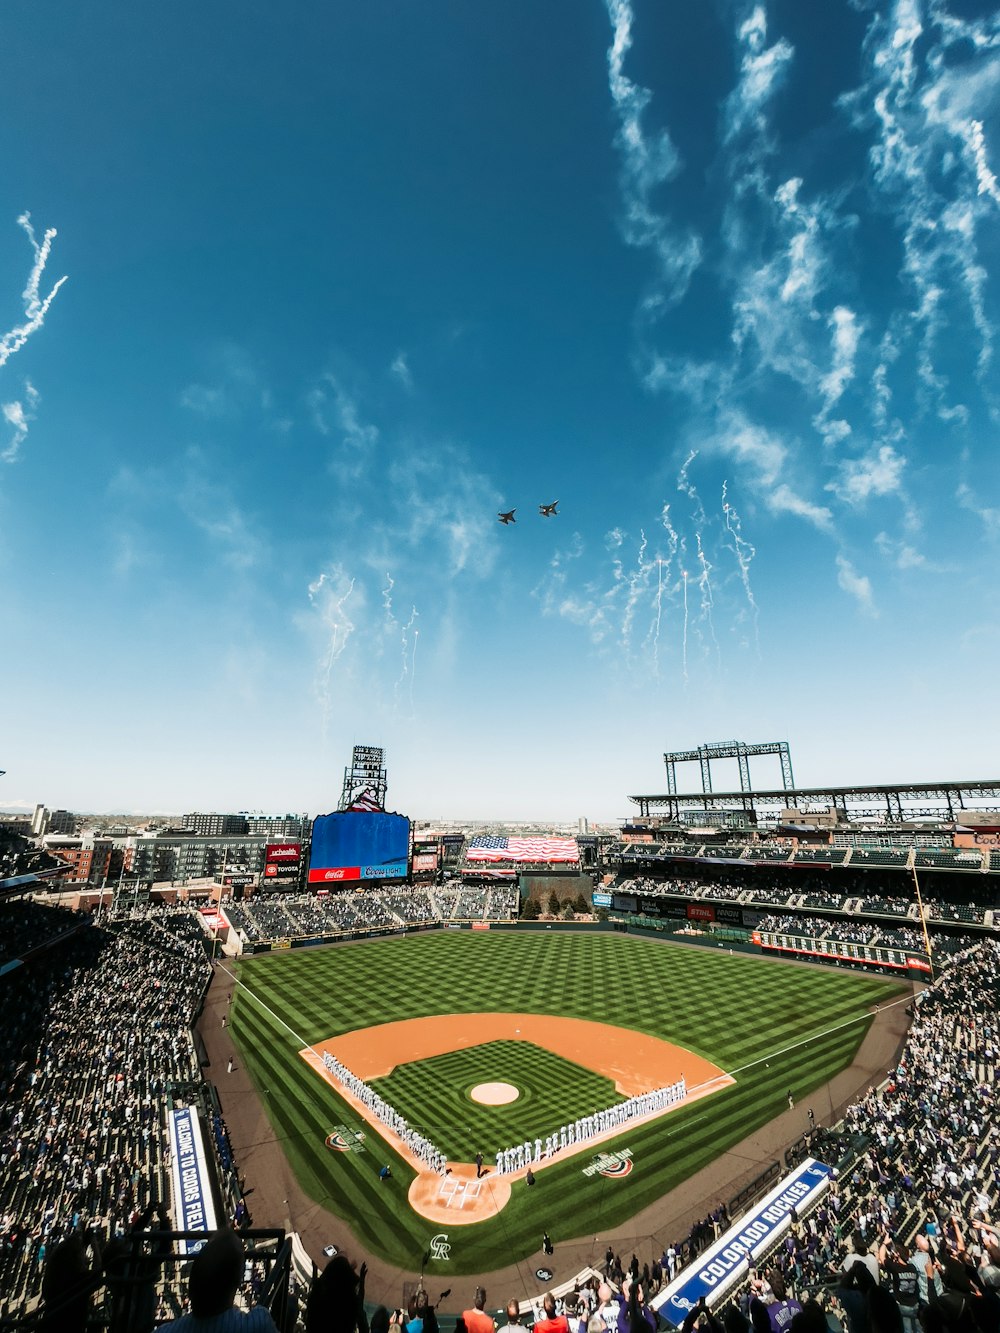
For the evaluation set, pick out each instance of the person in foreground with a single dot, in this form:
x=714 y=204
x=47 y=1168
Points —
x=215 y=1277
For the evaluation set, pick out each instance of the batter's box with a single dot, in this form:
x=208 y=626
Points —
x=456 y=1192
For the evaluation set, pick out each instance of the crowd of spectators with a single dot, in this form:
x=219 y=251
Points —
x=25 y=925
x=94 y=1033
x=82 y=1155
x=309 y=916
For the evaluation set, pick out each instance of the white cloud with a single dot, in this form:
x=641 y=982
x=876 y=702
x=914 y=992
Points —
x=206 y=401
x=989 y=515
x=783 y=500
x=929 y=76
x=400 y=370
x=903 y=555
x=337 y=415
x=18 y=415
x=209 y=505
x=648 y=160
x=856 y=585
x=984 y=176
x=878 y=473
x=761 y=71
x=35 y=306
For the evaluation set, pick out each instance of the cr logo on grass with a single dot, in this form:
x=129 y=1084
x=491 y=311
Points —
x=439 y=1246
x=610 y=1164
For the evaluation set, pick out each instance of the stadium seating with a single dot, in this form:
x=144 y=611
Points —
x=80 y=1120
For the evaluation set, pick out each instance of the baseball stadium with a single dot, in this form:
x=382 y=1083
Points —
x=698 y=1058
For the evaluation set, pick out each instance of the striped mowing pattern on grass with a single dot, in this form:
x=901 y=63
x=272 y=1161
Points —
x=749 y=1015
x=434 y=1094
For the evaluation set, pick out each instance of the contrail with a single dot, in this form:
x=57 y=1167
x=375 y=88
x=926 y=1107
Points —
x=387 y=598
x=707 y=603
x=407 y=654
x=684 y=645
x=635 y=582
x=413 y=663
x=35 y=309
x=659 y=606
x=700 y=520
x=744 y=552
x=340 y=627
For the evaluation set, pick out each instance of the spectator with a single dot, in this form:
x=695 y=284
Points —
x=513 y=1324
x=476 y=1319
x=336 y=1301
x=215 y=1277
x=550 y=1321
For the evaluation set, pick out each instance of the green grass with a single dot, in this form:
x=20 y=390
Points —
x=434 y=1094
x=773 y=1026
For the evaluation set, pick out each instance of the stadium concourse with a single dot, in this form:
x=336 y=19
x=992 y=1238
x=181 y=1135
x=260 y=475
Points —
x=104 y=1055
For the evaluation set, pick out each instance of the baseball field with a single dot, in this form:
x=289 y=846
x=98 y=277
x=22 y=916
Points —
x=499 y=1010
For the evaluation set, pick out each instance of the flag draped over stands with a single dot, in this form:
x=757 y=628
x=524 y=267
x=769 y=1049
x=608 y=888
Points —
x=522 y=849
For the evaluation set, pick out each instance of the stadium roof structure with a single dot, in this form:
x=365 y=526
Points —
x=18 y=883
x=893 y=803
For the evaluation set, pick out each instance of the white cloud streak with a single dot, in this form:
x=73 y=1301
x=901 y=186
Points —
x=648 y=160
x=856 y=585
x=36 y=307
x=18 y=415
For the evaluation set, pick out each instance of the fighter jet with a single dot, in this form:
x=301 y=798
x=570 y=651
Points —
x=548 y=511
x=507 y=516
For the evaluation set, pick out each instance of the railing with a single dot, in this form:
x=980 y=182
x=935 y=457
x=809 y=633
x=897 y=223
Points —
x=124 y=1296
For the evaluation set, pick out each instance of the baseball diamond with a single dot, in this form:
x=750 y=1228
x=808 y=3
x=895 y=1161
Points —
x=769 y=1027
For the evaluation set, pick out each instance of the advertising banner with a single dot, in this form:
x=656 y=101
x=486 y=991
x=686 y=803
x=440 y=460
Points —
x=700 y=912
x=193 y=1207
x=732 y=916
x=601 y=899
x=425 y=861
x=725 y=1262
x=279 y=870
x=283 y=851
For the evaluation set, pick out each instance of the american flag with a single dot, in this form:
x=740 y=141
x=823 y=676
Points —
x=365 y=801
x=522 y=849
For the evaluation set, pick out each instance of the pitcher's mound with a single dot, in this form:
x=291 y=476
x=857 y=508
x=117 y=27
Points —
x=494 y=1094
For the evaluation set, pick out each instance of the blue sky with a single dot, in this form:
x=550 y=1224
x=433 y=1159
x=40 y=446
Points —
x=342 y=282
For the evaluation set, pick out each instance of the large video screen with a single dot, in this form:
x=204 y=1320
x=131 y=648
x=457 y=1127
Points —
x=354 y=844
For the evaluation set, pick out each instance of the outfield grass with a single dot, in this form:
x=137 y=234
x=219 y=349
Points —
x=773 y=1026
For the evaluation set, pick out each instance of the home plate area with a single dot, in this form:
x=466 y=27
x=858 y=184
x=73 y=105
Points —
x=641 y=1068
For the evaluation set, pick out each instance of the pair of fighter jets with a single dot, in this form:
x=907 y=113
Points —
x=546 y=511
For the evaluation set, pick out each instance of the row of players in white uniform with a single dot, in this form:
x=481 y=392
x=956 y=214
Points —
x=522 y=1154
x=421 y=1147
x=589 y=1126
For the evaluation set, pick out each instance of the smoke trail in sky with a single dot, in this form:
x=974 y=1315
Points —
x=744 y=552
x=672 y=538
x=35 y=308
x=636 y=581
x=407 y=648
x=684 y=641
x=323 y=594
x=390 y=619
x=659 y=611
x=413 y=664
x=705 y=588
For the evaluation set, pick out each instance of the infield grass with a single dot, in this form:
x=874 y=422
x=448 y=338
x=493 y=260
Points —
x=434 y=1094
x=774 y=1027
